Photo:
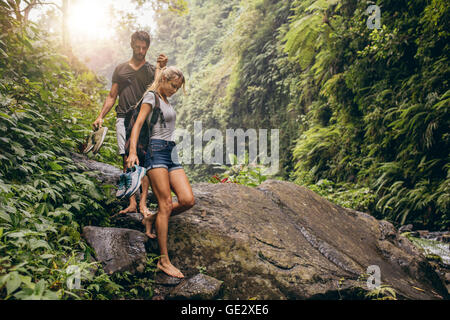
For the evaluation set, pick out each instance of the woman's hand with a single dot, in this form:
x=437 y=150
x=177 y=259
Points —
x=132 y=160
x=162 y=60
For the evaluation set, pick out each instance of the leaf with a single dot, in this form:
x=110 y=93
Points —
x=46 y=256
x=55 y=166
x=35 y=244
x=5 y=216
x=94 y=193
x=26 y=280
x=19 y=234
x=3 y=53
x=18 y=149
x=13 y=282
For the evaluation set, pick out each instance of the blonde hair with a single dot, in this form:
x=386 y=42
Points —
x=168 y=74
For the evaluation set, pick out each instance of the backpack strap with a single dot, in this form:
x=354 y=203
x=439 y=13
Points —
x=157 y=113
x=154 y=118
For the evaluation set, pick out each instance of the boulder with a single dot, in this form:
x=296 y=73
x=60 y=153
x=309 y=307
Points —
x=131 y=220
x=163 y=279
x=283 y=241
x=118 y=249
x=105 y=173
x=198 y=287
x=276 y=241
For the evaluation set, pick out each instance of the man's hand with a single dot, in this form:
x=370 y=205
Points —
x=162 y=60
x=97 y=123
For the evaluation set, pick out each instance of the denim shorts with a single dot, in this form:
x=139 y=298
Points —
x=162 y=154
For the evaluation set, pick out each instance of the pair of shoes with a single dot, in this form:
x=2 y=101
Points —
x=130 y=181
x=95 y=140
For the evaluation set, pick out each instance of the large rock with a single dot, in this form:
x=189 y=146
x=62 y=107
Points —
x=130 y=220
x=198 y=287
x=283 y=241
x=118 y=249
x=105 y=173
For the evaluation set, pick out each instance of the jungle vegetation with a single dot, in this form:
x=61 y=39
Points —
x=363 y=116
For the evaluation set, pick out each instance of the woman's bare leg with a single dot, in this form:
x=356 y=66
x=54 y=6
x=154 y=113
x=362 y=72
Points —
x=182 y=188
x=159 y=178
x=179 y=183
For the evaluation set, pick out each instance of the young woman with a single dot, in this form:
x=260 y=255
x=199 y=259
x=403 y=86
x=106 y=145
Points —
x=163 y=169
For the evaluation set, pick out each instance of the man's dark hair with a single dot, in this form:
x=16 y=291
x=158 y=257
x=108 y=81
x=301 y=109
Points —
x=142 y=36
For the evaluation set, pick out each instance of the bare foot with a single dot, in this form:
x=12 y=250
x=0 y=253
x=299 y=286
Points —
x=131 y=209
x=148 y=221
x=169 y=269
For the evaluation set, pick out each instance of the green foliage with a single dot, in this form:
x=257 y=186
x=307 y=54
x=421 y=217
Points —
x=347 y=195
x=379 y=114
x=237 y=73
x=46 y=108
x=360 y=108
x=247 y=174
x=383 y=292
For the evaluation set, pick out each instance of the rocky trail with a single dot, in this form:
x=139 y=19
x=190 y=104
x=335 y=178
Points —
x=276 y=241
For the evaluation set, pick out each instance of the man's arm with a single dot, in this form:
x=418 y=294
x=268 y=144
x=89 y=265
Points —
x=109 y=103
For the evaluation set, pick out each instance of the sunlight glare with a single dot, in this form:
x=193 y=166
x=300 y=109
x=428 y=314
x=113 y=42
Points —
x=89 y=19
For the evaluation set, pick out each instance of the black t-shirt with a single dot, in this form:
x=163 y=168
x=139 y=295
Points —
x=132 y=85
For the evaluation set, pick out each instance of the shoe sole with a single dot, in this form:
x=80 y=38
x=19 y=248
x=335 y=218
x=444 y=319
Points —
x=120 y=195
x=89 y=146
x=101 y=141
x=135 y=189
x=88 y=149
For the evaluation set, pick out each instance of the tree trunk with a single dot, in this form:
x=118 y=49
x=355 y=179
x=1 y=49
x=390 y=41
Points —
x=65 y=31
x=27 y=10
x=15 y=6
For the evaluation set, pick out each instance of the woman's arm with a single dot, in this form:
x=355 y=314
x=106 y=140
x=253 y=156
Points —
x=142 y=116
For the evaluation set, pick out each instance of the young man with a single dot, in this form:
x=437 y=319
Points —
x=129 y=82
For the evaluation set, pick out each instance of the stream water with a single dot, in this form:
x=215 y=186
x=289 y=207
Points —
x=433 y=247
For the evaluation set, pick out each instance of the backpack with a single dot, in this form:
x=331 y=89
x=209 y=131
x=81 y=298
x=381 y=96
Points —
x=147 y=127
